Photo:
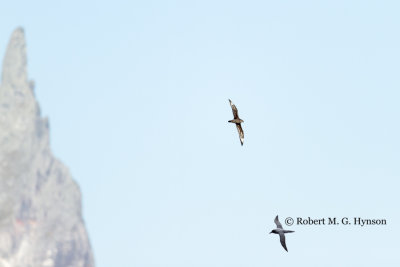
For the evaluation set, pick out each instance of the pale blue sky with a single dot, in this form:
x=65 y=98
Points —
x=137 y=97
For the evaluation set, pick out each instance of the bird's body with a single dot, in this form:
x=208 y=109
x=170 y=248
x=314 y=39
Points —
x=281 y=232
x=236 y=120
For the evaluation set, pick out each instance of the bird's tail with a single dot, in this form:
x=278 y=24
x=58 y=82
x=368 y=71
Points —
x=288 y=231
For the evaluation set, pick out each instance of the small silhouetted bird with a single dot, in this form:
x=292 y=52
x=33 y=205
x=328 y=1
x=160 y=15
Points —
x=236 y=120
x=281 y=232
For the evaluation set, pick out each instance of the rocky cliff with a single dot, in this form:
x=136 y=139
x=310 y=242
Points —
x=40 y=204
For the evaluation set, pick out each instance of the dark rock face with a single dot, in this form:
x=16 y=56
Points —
x=40 y=204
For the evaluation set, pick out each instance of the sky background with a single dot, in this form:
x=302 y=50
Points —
x=137 y=97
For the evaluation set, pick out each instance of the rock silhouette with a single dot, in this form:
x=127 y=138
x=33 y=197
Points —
x=40 y=204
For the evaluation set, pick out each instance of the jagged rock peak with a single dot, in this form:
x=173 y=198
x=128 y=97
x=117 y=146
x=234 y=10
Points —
x=41 y=221
x=14 y=64
x=16 y=93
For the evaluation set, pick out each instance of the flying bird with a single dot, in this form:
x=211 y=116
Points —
x=281 y=232
x=236 y=120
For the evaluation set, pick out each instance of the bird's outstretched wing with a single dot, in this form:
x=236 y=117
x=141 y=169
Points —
x=283 y=243
x=278 y=224
x=234 y=110
x=240 y=131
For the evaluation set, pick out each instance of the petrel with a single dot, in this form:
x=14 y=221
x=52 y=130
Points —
x=281 y=232
x=236 y=120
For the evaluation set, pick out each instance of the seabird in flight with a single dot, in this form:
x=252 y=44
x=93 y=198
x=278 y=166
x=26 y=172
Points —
x=236 y=120
x=281 y=232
